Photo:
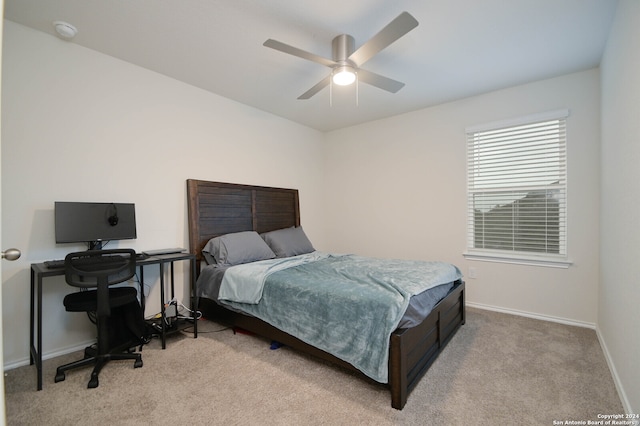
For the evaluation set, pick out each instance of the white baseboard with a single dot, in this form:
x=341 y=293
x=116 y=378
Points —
x=614 y=373
x=52 y=354
x=550 y=318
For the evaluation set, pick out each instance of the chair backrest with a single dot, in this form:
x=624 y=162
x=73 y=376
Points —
x=100 y=269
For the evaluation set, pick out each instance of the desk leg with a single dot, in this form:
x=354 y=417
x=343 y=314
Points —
x=173 y=287
x=39 y=355
x=35 y=334
x=32 y=319
x=162 y=311
x=194 y=299
x=142 y=298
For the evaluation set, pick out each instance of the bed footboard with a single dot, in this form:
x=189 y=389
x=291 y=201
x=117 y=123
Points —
x=413 y=350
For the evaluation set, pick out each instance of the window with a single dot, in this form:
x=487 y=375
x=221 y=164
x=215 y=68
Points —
x=517 y=190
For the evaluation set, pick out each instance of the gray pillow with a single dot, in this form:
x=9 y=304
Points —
x=288 y=242
x=236 y=248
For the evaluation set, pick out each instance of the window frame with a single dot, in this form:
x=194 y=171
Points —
x=560 y=260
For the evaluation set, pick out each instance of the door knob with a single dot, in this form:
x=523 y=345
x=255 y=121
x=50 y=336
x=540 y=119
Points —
x=11 y=254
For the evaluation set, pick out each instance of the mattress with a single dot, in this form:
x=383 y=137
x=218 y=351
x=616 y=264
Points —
x=420 y=305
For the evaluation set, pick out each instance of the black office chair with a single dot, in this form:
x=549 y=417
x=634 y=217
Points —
x=95 y=271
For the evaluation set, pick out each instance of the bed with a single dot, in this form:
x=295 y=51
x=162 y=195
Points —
x=216 y=209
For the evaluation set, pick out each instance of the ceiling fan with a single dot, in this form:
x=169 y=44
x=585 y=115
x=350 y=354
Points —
x=347 y=61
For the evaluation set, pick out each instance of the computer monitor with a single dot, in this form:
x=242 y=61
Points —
x=94 y=223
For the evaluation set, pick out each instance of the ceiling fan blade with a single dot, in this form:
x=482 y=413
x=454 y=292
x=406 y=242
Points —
x=392 y=32
x=379 y=81
x=282 y=47
x=315 y=89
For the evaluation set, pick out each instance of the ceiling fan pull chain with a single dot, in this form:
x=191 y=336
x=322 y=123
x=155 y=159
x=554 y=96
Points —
x=330 y=92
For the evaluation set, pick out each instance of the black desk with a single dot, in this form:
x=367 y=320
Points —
x=40 y=271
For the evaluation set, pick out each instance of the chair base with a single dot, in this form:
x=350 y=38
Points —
x=90 y=358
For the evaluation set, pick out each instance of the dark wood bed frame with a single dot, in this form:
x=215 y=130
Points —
x=217 y=208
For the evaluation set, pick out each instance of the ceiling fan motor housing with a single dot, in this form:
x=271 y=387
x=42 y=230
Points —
x=342 y=47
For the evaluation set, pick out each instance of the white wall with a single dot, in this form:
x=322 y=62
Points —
x=81 y=126
x=619 y=295
x=397 y=188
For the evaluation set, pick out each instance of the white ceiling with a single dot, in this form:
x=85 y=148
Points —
x=459 y=49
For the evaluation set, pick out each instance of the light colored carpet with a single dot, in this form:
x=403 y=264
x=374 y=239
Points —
x=498 y=369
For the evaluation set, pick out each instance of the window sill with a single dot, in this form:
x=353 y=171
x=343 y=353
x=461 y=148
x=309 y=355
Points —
x=518 y=260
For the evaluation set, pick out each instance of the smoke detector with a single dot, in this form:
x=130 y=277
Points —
x=65 y=30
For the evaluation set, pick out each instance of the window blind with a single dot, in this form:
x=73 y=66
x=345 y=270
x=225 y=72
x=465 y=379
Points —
x=517 y=188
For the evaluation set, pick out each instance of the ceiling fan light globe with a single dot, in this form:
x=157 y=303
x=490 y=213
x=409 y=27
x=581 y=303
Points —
x=344 y=76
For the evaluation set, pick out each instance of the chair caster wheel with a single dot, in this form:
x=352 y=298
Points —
x=59 y=377
x=138 y=363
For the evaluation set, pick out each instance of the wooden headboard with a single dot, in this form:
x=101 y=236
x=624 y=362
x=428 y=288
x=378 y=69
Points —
x=218 y=208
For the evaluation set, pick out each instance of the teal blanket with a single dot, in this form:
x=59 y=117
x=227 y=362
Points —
x=346 y=305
